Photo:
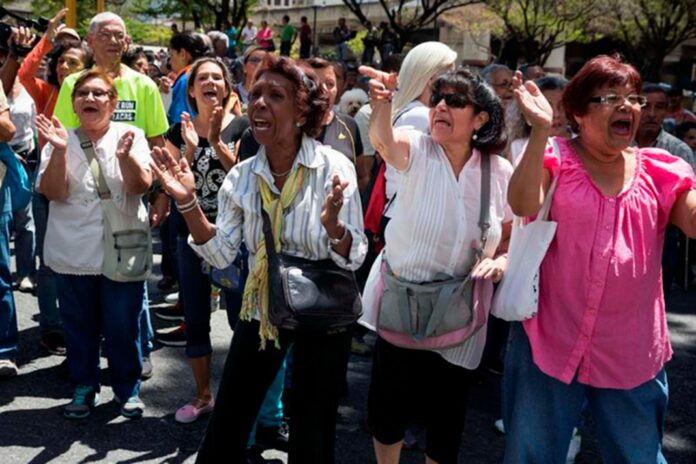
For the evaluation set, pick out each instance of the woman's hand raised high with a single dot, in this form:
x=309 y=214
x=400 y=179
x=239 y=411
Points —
x=535 y=107
x=382 y=85
x=175 y=176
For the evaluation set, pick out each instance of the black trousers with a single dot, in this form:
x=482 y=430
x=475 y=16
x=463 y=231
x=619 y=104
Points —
x=319 y=368
x=285 y=48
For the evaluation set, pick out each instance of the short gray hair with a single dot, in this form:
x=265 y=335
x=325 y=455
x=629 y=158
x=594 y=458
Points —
x=488 y=71
x=106 y=17
x=217 y=35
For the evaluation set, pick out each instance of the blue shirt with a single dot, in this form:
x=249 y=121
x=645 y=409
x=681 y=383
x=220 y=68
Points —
x=179 y=100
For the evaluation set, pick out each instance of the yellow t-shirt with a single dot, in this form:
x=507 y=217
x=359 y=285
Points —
x=139 y=103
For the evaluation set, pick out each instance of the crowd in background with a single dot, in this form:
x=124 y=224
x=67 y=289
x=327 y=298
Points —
x=204 y=136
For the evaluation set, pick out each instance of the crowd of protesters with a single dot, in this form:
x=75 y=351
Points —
x=406 y=172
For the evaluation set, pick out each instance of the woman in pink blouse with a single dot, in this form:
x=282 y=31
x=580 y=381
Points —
x=264 y=37
x=601 y=332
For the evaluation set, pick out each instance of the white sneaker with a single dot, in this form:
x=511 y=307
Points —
x=574 y=447
x=26 y=285
x=172 y=298
x=8 y=368
x=499 y=426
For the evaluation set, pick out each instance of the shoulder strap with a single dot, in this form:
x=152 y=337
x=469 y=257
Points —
x=485 y=210
x=88 y=148
x=546 y=206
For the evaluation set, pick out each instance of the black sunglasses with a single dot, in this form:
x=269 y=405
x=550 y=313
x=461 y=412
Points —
x=453 y=100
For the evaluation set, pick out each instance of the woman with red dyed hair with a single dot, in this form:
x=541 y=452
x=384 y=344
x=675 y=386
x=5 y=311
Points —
x=601 y=332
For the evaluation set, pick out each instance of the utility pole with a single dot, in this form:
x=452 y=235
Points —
x=71 y=17
x=100 y=6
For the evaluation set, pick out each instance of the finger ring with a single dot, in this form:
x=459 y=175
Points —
x=337 y=202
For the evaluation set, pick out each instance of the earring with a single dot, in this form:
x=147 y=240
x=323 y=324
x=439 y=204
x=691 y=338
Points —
x=474 y=137
x=297 y=124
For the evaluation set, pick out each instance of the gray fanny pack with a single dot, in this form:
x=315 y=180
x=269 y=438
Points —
x=437 y=314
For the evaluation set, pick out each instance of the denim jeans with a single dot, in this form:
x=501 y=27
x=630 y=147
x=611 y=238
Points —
x=91 y=305
x=194 y=292
x=25 y=245
x=46 y=292
x=147 y=334
x=8 y=315
x=540 y=412
x=342 y=51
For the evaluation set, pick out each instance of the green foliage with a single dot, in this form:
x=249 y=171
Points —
x=49 y=8
x=540 y=26
x=140 y=32
x=147 y=34
x=651 y=29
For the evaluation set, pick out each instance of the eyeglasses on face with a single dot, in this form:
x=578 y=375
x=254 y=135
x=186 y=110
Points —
x=502 y=85
x=106 y=36
x=97 y=94
x=612 y=99
x=453 y=100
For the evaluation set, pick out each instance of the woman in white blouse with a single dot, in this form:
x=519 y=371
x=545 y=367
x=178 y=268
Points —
x=321 y=218
x=433 y=233
x=90 y=303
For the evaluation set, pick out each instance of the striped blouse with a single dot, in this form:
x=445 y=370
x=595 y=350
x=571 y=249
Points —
x=239 y=210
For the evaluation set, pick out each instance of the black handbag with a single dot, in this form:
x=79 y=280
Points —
x=309 y=295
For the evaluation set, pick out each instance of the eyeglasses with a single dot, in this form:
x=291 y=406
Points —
x=453 y=100
x=618 y=100
x=106 y=36
x=502 y=85
x=97 y=94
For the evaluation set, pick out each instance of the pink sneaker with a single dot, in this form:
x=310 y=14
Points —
x=192 y=411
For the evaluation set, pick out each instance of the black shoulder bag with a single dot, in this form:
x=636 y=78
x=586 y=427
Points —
x=309 y=295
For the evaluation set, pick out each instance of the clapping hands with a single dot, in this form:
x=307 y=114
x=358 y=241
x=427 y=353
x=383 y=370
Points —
x=53 y=131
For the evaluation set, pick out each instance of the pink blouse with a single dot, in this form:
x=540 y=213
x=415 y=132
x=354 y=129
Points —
x=601 y=308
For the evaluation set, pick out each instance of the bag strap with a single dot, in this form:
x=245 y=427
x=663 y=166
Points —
x=485 y=210
x=546 y=206
x=88 y=148
x=268 y=234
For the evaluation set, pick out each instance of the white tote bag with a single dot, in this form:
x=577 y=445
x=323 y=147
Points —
x=517 y=296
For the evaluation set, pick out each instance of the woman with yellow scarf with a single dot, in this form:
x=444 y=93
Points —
x=310 y=193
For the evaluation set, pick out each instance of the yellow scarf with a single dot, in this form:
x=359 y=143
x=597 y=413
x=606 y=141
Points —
x=256 y=292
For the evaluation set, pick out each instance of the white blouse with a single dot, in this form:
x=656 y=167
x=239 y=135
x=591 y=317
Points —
x=415 y=116
x=434 y=229
x=74 y=241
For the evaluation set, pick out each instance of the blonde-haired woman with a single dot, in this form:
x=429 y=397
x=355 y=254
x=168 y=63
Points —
x=422 y=65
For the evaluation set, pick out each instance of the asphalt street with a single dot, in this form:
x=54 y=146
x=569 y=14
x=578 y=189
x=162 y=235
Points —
x=33 y=430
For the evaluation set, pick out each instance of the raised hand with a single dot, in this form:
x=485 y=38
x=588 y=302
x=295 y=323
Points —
x=165 y=84
x=54 y=23
x=53 y=131
x=215 y=125
x=333 y=203
x=22 y=37
x=175 y=176
x=188 y=132
x=124 y=145
x=382 y=85
x=532 y=103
